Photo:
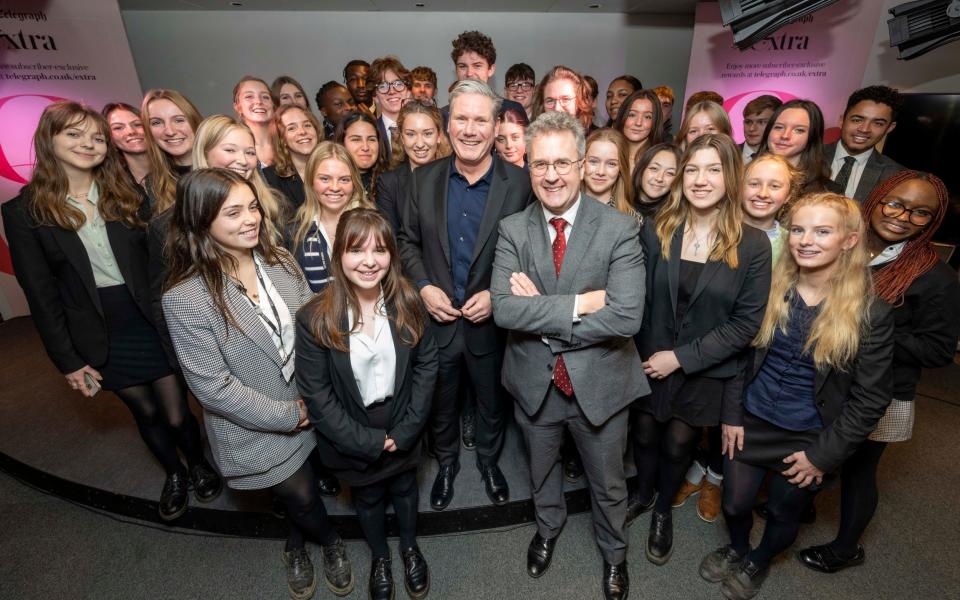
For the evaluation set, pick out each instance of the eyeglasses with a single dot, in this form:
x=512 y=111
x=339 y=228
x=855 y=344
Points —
x=561 y=166
x=917 y=216
x=398 y=84
x=526 y=86
x=563 y=101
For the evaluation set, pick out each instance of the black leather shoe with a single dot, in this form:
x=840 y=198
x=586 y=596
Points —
x=381 y=580
x=206 y=483
x=495 y=484
x=807 y=517
x=468 y=429
x=660 y=540
x=636 y=507
x=716 y=566
x=301 y=580
x=572 y=468
x=416 y=573
x=337 y=571
x=539 y=554
x=328 y=486
x=616 y=582
x=824 y=559
x=744 y=582
x=442 y=492
x=173 y=498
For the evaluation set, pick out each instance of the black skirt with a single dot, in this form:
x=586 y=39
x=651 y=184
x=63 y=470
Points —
x=387 y=464
x=766 y=445
x=135 y=355
x=694 y=399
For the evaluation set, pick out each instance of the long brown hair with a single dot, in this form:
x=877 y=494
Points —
x=416 y=107
x=718 y=116
x=191 y=251
x=162 y=182
x=623 y=188
x=918 y=256
x=328 y=310
x=583 y=100
x=676 y=211
x=282 y=163
x=815 y=169
x=656 y=130
x=844 y=313
x=48 y=187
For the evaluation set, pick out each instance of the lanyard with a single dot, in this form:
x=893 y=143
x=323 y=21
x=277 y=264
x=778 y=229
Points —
x=275 y=329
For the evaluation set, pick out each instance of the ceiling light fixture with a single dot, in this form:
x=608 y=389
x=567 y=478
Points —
x=594 y=5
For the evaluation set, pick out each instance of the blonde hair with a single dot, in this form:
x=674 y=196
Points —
x=794 y=176
x=211 y=132
x=676 y=211
x=162 y=182
x=718 y=116
x=836 y=331
x=311 y=208
x=416 y=107
x=623 y=188
x=282 y=162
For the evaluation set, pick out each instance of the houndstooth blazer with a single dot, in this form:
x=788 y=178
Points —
x=249 y=408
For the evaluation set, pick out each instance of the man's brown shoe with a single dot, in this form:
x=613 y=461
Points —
x=686 y=490
x=708 y=505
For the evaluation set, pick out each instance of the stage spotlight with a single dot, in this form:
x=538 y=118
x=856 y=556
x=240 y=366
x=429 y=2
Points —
x=918 y=27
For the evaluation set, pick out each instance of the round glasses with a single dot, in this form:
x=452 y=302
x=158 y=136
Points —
x=917 y=216
x=561 y=166
x=526 y=86
x=398 y=85
x=563 y=101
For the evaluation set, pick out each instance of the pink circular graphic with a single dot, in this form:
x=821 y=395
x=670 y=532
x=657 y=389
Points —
x=734 y=107
x=20 y=114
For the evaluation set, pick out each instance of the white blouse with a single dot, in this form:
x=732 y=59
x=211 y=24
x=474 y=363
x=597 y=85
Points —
x=374 y=361
x=275 y=317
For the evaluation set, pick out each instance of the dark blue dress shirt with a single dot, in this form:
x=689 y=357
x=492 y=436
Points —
x=465 y=206
x=783 y=392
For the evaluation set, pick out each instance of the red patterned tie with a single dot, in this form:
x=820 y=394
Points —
x=561 y=378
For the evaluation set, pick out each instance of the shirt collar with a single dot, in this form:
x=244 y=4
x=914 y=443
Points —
x=842 y=153
x=93 y=195
x=487 y=177
x=888 y=254
x=569 y=215
x=388 y=122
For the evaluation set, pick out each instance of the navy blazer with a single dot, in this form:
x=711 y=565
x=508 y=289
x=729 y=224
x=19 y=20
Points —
x=723 y=314
x=392 y=188
x=52 y=267
x=291 y=187
x=345 y=439
x=424 y=243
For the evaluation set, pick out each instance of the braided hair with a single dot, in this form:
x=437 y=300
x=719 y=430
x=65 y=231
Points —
x=918 y=256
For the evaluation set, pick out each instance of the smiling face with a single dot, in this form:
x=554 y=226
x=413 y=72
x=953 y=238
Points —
x=617 y=92
x=291 y=94
x=556 y=192
x=510 y=143
x=360 y=140
x=126 y=130
x=601 y=169
x=420 y=138
x=917 y=195
x=470 y=65
x=560 y=95
x=766 y=188
x=864 y=125
x=254 y=103
x=658 y=175
x=471 y=127
x=638 y=122
x=789 y=134
x=337 y=103
x=236 y=151
x=366 y=265
x=333 y=185
x=80 y=147
x=237 y=226
x=700 y=124
x=298 y=132
x=521 y=92
x=391 y=101
x=703 y=182
x=171 y=129
x=817 y=239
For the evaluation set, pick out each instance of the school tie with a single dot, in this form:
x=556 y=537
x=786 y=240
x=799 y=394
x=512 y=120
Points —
x=561 y=378
x=844 y=175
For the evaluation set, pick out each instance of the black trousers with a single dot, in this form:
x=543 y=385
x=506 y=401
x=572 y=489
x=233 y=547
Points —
x=370 y=502
x=483 y=370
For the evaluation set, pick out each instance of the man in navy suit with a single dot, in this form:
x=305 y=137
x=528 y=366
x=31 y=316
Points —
x=855 y=163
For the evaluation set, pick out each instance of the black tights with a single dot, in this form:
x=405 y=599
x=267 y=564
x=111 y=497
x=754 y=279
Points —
x=370 y=502
x=305 y=509
x=858 y=496
x=663 y=452
x=786 y=501
x=165 y=422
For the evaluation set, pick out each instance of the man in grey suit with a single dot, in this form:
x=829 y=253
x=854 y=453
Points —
x=568 y=282
x=855 y=163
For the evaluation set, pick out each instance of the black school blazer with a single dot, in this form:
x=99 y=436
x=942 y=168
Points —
x=849 y=402
x=325 y=377
x=724 y=312
x=52 y=267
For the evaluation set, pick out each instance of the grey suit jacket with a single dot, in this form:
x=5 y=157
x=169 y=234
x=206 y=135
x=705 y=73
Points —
x=878 y=169
x=249 y=408
x=603 y=252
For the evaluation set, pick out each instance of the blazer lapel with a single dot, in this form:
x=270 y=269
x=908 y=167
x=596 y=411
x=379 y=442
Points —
x=69 y=242
x=402 y=352
x=710 y=268
x=440 y=198
x=869 y=177
x=499 y=188
x=819 y=379
x=117 y=233
x=344 y=369
x=542 y=250
x=673 y=267
x=583 y=230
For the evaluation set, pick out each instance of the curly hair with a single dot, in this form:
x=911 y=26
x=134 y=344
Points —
x=474 y=41
x=880 y=94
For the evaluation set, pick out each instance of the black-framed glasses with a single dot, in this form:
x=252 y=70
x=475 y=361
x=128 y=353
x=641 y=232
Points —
x=397 y=84
x=561 y=166
x=917 y=216
x=526 y=86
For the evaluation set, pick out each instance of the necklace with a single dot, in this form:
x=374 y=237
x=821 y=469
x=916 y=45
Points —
x=697 y=242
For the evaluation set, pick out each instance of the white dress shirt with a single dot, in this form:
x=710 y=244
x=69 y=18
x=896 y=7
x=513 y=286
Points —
x=747 y=152
x=275 y=317
x=837 y=164
x=387 y=124
x=569 y=216
x=374 y=360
